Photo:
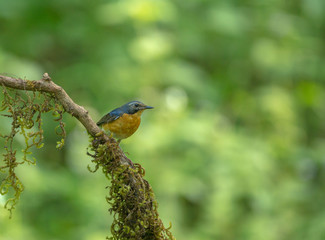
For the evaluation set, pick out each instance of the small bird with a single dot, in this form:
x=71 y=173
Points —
x=122 y=122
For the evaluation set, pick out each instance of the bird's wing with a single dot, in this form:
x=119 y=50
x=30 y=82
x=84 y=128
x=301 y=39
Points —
x=109 y=117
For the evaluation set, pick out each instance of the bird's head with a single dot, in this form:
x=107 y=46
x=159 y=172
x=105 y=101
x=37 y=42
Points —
x=134 y=107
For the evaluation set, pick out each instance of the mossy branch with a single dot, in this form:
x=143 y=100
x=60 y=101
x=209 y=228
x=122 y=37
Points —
x=131 y=198
x=48 y=86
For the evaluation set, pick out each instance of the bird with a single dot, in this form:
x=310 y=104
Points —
x=122 y=122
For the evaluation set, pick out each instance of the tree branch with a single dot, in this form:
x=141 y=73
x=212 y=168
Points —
x=131 y=197
x=47 y=85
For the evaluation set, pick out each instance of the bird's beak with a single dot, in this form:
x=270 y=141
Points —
x=148 y=107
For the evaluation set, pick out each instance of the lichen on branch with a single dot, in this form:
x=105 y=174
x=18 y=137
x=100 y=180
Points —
x=130 y=196
x=132 y=199
x=25 y=109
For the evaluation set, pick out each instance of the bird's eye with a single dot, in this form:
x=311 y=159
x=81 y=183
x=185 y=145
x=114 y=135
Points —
x=136 y=105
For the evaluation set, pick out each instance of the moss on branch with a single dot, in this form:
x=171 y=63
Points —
x=131 y=198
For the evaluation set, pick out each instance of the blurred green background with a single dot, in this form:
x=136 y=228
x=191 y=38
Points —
x=235 y=147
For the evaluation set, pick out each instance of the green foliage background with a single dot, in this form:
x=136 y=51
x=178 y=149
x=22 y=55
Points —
x=234 y=148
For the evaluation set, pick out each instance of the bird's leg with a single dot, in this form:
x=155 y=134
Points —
x=109 y=133
x=100 y=134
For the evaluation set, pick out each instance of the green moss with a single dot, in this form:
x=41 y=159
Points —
x=26 y=111
x=132 y=200
x=130 y=196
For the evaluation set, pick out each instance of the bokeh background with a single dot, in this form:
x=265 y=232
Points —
x=235 y=147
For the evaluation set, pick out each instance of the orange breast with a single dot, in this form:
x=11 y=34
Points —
x=124 y=126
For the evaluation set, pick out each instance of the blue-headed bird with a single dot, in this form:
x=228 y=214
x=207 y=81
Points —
x=122 y=122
